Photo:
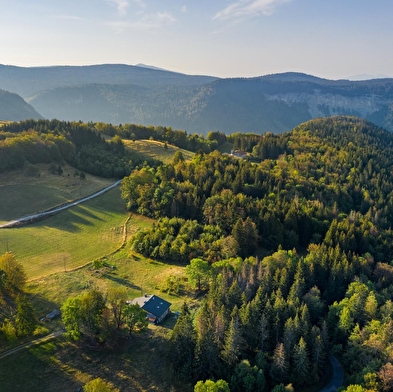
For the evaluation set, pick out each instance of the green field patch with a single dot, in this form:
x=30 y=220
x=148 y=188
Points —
x=137 y=364
x=157 y=150
x=69 y=239
x=137 y=274
x=140 y=363
x=22 y=195
x=225 y=148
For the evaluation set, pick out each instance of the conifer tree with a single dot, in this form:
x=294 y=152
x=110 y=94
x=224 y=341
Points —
x=182 y=343
x=233 y=341
x=26 y=320
x=301 y=363
x=279 y=367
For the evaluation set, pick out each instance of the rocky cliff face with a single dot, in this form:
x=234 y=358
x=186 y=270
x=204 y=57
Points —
x=320 y=105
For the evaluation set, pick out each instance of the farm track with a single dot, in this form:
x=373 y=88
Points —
x=45 y=214
x=31 y=343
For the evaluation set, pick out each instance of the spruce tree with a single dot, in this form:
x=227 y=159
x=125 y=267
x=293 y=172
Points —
x=301 y=363
x=233 y=341
x=182 y=344
x=279 y=367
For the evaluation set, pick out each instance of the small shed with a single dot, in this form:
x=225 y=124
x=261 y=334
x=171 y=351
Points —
x=155 y=307
x=52 y=315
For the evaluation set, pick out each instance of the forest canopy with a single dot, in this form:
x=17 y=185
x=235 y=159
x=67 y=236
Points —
x=319 y=200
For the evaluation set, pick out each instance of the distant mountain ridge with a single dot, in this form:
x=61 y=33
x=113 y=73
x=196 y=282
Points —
x=119 y=93
x=32 y=80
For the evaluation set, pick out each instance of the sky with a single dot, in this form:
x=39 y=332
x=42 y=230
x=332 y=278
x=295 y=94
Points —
x=332 y=39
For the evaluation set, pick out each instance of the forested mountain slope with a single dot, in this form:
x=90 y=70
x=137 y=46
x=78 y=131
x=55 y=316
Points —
x=14 y=108
x=275 y=103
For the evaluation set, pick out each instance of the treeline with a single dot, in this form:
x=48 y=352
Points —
x=17 y=315
x=178 y=138
x=78 y=144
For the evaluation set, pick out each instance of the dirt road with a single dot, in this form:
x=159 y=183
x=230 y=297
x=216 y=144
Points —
x=30 y=344
x=35 y=217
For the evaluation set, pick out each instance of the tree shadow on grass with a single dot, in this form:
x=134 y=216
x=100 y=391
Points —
x=34 y=370
x=122 y=282
x=70 y=220
x=43 y=306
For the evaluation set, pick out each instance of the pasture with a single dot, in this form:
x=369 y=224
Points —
x=155 y=149
x=138 y=364
x=22 y=195
x=70 y=239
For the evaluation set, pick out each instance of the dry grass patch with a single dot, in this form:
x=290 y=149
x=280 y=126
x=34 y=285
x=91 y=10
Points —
x=155 y=149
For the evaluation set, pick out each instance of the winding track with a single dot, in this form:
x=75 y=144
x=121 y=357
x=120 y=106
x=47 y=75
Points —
x=35 y=217
x=338 y=376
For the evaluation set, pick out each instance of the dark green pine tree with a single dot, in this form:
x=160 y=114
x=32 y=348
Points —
x=182 y=343
x=290 y=335
x=207 y=354
x=300 y=364
x=318 y=354
x=233 y=343
x=26 y=320
x=298 y=288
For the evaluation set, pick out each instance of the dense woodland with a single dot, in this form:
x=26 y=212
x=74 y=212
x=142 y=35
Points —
x=291 y=251
x=321 y=195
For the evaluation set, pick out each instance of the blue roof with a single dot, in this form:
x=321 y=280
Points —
x=156 y=306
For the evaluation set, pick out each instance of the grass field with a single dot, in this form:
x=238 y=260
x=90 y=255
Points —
x=69 y=239
x=140 y=364
x=157 y=150
x=137 y=364
x=50 y=252
x=21 y=195
x=125 y=268
x=226 y=147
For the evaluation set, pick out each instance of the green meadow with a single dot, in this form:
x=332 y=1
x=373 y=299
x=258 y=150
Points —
x=155 y=149
x=70 y=239
x=22 y=195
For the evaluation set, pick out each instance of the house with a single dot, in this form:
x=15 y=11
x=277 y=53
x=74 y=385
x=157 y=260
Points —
x=239 y=154
x=155 y=307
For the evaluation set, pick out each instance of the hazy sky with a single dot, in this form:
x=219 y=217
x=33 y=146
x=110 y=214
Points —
x=326 y=38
